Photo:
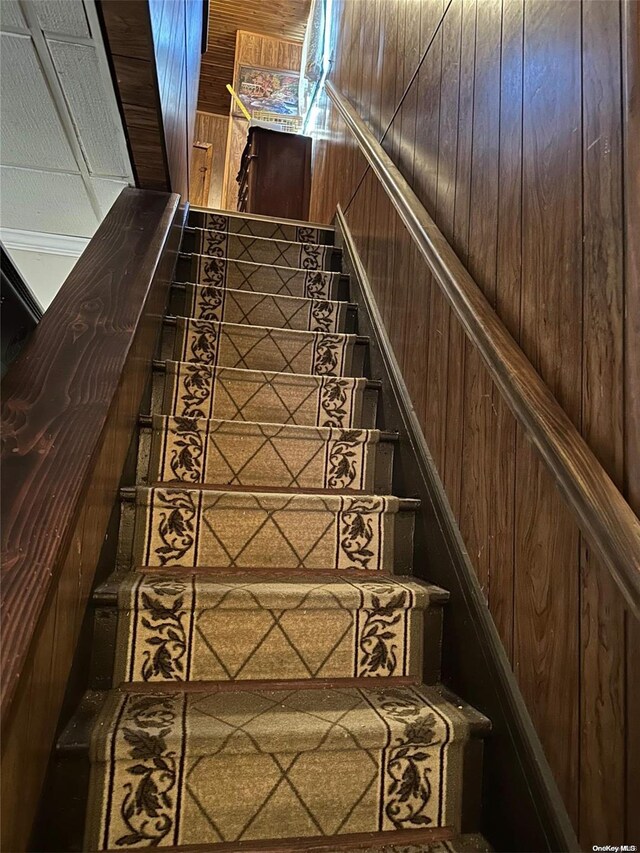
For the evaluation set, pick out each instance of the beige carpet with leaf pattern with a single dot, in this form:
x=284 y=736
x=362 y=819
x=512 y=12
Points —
x=274 y=664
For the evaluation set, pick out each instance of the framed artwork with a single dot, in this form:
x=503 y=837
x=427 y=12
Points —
x=267 y=90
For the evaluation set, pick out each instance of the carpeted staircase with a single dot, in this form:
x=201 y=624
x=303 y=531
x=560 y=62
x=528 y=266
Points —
x=273 y=666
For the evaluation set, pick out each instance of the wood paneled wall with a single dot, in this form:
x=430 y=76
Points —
x=177 y=39
x=154 y=48
x=506 y=116
x=212 y=128
x=283 y=19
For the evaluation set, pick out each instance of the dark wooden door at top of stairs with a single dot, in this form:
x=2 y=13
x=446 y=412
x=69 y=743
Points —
x=265 y=665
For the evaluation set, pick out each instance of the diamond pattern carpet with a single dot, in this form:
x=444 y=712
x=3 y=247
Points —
x=249 y=762
x=245 y=247
x=241 y=453
x=264 y=309
x=261 y=278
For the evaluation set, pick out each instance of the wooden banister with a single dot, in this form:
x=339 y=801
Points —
x=57 y=398
x=601 y=512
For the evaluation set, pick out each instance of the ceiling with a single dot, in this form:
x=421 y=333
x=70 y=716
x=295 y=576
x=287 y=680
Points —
x=284 y=18
x=64 y=158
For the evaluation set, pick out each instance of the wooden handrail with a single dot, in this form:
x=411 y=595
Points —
x=57 y=397
x=601 y=511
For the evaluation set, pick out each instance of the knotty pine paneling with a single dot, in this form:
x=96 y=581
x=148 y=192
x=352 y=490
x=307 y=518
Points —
x=515 y=144
x=284 y=19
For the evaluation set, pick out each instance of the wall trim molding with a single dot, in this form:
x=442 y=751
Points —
x=41 y=241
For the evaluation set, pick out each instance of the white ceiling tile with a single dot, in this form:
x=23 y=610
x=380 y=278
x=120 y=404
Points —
x=32 y=134
x=46 y=201
x=11 y=15
x=65 y=17
x=90 y=106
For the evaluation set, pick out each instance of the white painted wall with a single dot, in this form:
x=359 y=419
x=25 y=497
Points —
x=44 y=272
x=63 y=153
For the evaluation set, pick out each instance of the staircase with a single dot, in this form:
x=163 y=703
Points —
x=267 y=666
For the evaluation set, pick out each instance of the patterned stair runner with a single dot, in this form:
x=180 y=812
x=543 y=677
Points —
x=264 y=640
x=260 y=250
x=263 y=348
x=261 y=226
x=249 y=763
x=262 y=278
x=240 y=453
x=264 y=309
x=212 y=527
x=211 y=627
x=198 y=390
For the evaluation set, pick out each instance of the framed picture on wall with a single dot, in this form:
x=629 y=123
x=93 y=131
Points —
x=267 y=90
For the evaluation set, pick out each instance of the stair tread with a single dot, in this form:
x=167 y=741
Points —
x=212 y=243
x=280 y=590
x=162 y=422
x=425 y=841
x=235 y=291
x=243 y=529
x=286 y=270
x=330 y=498
x=467 y=843
x=255 y=217
x=170 y=319
x=260 y=240
x=268 y=375
x=266 y=455
x=215 y=302
x=261 y=294
x=284 y=721
x=237 y=393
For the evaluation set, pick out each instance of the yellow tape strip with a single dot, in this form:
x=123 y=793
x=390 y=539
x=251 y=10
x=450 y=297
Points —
x=245 y=111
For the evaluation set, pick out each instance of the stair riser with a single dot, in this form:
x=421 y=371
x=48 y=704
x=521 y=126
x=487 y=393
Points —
x=175 y=527
x=261 y=348
x=245 y=307
x=116 y=661
x=191 y=390
x=304 y=256
x=196 y=639
x=260 y=228
x=264 y=455
x=241 y=275
x=258 y=348
x=219 y=795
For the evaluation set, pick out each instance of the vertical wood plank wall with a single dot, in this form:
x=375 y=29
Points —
x=213 y=128
x=506 y=118
x=154 y=49
x=177 y=39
